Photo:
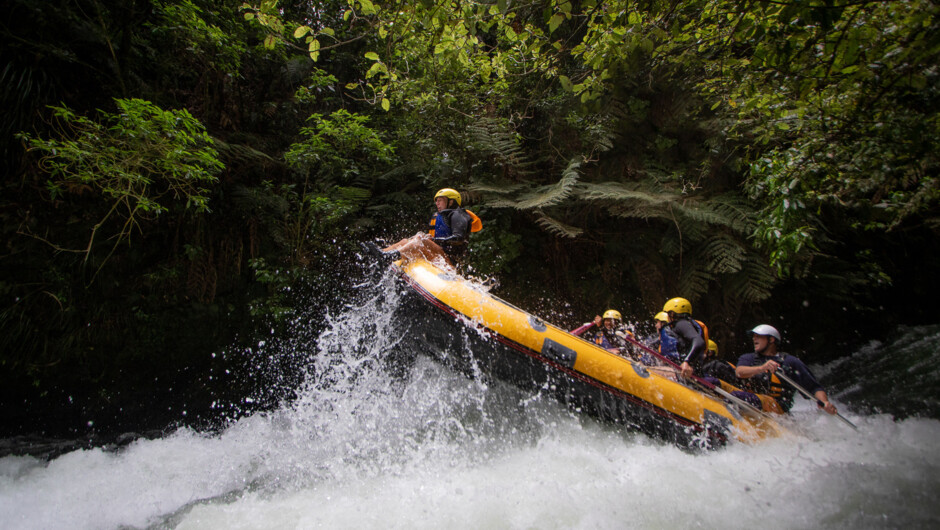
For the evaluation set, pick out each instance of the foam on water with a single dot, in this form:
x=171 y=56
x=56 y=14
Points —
x=360 y=448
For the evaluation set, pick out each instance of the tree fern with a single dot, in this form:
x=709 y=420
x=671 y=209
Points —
x=694 y=280
x=625 y=191
x=720 y=210
x=493 y=137
x=721 y=254
x=753 y=283
x=495 y=188
x=356 y=196
x=551 y=195
x=556 y=227
x=240 y=153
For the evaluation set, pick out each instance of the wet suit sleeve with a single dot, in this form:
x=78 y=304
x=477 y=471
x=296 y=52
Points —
x=748 y=359
x=690 y=336
x=460 y=224
x=800 y=373
x=580 y=331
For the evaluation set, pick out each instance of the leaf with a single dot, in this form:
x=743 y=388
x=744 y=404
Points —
x=367 y=7
x=555 y=21
x=386 y=104
x=372 y=56
x=269 y=42
x=556 y=227
x=301 y=31
x=374 y=70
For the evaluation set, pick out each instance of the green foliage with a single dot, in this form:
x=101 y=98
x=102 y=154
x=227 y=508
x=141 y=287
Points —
x=552 y=194
x=215 y=48
x=844 y=97
x=339 y=148
x=618 y=151
x=140 y=161
x=495 y=248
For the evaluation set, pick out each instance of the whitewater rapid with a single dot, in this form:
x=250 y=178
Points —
x=448 y=461
x=359 y=448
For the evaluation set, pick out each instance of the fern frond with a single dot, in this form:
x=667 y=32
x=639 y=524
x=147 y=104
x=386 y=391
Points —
x=352 y=194
x=694 y=281
x=557 y=227
x=498 y=202
x=493 y=137
x=722 y=210
x=239 y=152
x=753 y=283
x=494 y=187
x=545 y=196
x=721 y=254
x=623 y=191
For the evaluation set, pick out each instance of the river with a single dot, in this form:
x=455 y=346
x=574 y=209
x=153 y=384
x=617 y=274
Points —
x=360 y=448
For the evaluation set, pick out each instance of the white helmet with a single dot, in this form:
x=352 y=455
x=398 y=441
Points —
x=768 y=331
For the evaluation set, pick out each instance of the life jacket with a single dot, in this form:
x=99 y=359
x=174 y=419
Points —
x=775 y=387
x=439 y=229
x=476 y=224
x=771 y=385
x=703 y=329
x=668 y=344
x=608 y=339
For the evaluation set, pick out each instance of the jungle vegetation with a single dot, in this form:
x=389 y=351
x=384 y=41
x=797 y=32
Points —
x=178 y=174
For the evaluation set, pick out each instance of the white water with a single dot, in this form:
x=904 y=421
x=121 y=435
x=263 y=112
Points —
x=359 y=449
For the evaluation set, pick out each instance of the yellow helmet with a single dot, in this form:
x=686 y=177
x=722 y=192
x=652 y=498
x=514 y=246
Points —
x=712 y=347
x=612 y=313
x=661 y=316
x=450 y=193
x=678 y=305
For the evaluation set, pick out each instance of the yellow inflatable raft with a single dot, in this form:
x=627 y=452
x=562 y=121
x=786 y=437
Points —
x=459 y=322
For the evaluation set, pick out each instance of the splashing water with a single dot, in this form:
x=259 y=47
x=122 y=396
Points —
x=367 y=444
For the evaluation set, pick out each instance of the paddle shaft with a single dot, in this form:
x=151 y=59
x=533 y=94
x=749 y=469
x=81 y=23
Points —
x=806 y=393
x=720 y=391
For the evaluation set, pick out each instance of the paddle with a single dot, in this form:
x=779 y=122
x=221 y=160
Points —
x=806 y=393
x=701 y=382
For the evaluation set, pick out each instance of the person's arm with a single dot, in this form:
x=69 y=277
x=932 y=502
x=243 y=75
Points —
x=581 y=329
x=460 y=224
x=805 y=378
x=823 y=398
x=696 y=346
x=586 y=327
x=747 y=372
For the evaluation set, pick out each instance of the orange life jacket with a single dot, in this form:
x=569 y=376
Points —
x=704 y=332
x=475 y=223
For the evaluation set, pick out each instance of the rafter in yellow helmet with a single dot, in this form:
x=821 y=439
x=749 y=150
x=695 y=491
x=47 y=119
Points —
x=450 y=193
